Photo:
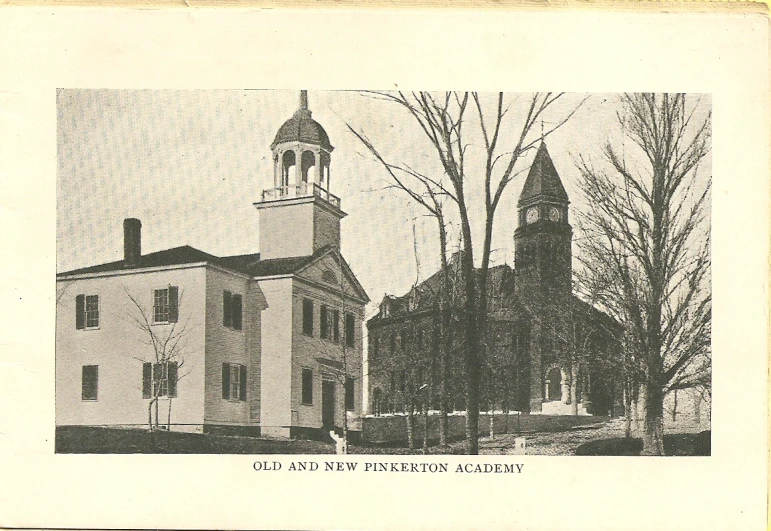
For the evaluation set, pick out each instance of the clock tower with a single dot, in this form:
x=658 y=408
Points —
x=542 y=241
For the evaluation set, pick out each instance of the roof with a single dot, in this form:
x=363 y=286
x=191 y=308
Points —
x=168 y=257
x=248 y=264
x=543 y=178
x=302 y=128
x=423 y=296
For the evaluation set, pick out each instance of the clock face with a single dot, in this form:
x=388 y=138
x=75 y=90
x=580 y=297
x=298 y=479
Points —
x=531 y=215
x=554 y=214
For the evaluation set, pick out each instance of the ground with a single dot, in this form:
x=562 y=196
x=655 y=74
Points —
x=602 y=438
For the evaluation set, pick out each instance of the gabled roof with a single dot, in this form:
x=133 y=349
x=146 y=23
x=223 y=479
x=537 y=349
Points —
x=168 y=257
x=543 y=179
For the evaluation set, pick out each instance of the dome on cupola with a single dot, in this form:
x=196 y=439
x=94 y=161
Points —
x=301 y=127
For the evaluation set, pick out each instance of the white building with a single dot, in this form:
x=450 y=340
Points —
x=266 y=343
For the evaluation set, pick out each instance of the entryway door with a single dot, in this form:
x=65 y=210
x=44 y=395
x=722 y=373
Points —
x=328 y=403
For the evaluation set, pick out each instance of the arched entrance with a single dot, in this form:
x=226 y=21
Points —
x=552 y=388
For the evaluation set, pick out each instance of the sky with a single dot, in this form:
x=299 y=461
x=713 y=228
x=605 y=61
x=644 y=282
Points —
x=190 y=164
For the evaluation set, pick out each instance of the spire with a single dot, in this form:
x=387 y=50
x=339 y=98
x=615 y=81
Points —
x=304 y=100
x=543 y=179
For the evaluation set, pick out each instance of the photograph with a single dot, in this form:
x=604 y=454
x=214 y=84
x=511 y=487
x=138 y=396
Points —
x=385 y=269
x=259 y=271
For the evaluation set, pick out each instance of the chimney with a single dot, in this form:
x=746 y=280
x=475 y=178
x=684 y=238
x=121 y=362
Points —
x=132 y=242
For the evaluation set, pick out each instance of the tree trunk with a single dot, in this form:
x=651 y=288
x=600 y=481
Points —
x=345 y=429
x=157 y=406
x=410 y=428
x=674 y=407
x=627 y=413
x=574 y=388
x=150 y=415
x=425 y=421
x=168 y=419
x=653 y=436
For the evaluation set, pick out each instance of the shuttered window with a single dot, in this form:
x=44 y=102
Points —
x=86 y=312
x=233 y=381
x=166 y=305
x=232 y=310
x=90 y=382
x=160 y=379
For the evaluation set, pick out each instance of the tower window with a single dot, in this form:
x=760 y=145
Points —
x=289 y=169
x=308 y=164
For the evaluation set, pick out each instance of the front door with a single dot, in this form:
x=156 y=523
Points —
x=328 y=403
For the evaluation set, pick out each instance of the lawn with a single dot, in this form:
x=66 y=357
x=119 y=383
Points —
x=602 y=438
x=90 y=440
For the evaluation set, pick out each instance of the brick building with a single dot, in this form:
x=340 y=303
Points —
x=540 y=337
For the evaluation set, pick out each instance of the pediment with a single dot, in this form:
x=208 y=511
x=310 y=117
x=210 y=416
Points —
x=333 y=273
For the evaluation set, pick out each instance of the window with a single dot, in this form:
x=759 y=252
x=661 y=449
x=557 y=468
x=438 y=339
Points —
x=350 y=330
x=159 y=379
x=166 y=305
x=90 y=382
x=233 y=381
x=324 y=322
x=349 y=393
x=232 y=310
x=308 y=317
x=336 y=326
x=86 y=312
x=307 y=387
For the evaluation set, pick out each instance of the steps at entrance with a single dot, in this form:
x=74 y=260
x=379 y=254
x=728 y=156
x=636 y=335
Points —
x=558 y=408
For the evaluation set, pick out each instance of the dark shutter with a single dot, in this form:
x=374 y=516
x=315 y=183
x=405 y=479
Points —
x=307 y=386
x=80 y=312
x=237 y=312
x=324 y=323
x=147 y=378
x=227 y=317
x=242 y=383
x=226 y=381
x=173 y=379
x=336 y=326
x=173 y=304
x=308 y=317
x=349 y=330
x=157 y=375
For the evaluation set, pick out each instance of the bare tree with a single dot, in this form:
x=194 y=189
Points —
x=167 y=346
x=445 y=119
x=339 y=343
x=429 y=193
x=647 y=232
